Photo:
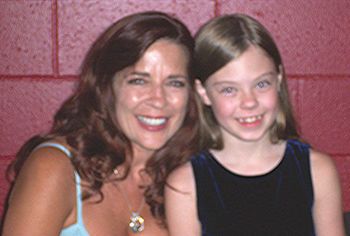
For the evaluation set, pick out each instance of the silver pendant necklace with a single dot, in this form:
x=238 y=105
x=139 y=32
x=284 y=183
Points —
x=137 y=222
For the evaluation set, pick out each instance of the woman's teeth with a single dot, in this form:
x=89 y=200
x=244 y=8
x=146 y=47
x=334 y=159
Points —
x=151 y=121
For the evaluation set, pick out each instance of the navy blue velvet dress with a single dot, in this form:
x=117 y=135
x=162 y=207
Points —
x=276 y=203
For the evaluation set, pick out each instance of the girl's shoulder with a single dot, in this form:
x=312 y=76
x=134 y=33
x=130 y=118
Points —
x=322 y=164
x=182 y=178
x=327 y=194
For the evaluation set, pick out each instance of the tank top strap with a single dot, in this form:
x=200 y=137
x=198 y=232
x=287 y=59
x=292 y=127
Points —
x=77 y=177
x=79 y=199
x=299 y=152
x=57 y=146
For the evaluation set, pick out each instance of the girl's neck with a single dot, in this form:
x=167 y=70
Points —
x=250 y=157
x=238 y=148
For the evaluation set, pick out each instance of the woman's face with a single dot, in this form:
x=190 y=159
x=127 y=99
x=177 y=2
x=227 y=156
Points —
x=244 y=96
x=152 y=96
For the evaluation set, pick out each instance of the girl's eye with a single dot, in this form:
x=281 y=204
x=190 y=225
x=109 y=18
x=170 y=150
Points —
x=177 y=83
x=228 y=91
x=263 y=84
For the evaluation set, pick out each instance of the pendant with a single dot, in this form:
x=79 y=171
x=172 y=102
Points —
x=137 y=223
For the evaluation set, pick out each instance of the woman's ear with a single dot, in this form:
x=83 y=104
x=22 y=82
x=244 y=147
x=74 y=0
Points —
x=202 y=92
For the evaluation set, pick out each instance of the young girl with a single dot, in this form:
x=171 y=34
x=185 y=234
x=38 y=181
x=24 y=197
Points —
x=255 y=177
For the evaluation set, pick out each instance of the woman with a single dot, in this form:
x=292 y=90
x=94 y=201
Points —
x=101 y=169
x=255 y=176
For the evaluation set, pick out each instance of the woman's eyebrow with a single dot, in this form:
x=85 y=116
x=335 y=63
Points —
x=138 y=73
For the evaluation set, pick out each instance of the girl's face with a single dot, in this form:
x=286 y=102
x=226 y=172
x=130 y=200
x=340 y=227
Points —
x=244 y=96
x=152 y=96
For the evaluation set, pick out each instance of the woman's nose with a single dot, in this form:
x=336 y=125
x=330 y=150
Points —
x=157 y=96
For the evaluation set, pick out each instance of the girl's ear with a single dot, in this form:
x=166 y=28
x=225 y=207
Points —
x=280 y=77
x=202 y=92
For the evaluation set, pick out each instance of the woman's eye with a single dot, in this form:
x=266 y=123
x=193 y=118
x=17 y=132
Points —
x=136 y=81
x=263 y=84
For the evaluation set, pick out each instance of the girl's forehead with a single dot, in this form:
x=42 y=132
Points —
x=251 y=64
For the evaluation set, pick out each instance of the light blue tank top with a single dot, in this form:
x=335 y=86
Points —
x=77 y=229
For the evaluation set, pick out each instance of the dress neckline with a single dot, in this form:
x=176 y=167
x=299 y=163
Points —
x=270 y=172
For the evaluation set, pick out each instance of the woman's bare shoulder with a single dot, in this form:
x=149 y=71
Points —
x=43 y=195
x=48 y=170
x=48 y=161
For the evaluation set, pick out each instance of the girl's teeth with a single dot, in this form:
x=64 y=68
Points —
x=151 y=121
x=250 y=119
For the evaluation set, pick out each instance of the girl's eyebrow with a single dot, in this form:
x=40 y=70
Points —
x=178 y=77
x=272 y=73
x=223 y=82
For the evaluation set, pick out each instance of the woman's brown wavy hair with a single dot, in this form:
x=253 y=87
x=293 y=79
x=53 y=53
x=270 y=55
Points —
x=223 y=39
x=87 y=119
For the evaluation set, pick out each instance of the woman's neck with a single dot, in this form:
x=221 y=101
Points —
x=138 y=164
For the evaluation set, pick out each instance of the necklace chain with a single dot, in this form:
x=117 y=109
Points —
x=137 y=222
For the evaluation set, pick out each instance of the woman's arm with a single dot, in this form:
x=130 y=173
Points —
x=43 y=195
x=181 y=203
x=327 y=209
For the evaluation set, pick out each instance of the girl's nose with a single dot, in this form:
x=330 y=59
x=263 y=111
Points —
x=248 y=100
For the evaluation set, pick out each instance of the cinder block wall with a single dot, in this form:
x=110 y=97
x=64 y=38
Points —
x=43 y=42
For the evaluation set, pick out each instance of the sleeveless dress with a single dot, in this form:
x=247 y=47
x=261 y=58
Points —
x=278 y=203
x=77 y=229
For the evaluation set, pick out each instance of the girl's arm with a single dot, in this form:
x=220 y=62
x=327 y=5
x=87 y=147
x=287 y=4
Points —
x=327 y=209
x=43 y=195
x=181 y=203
